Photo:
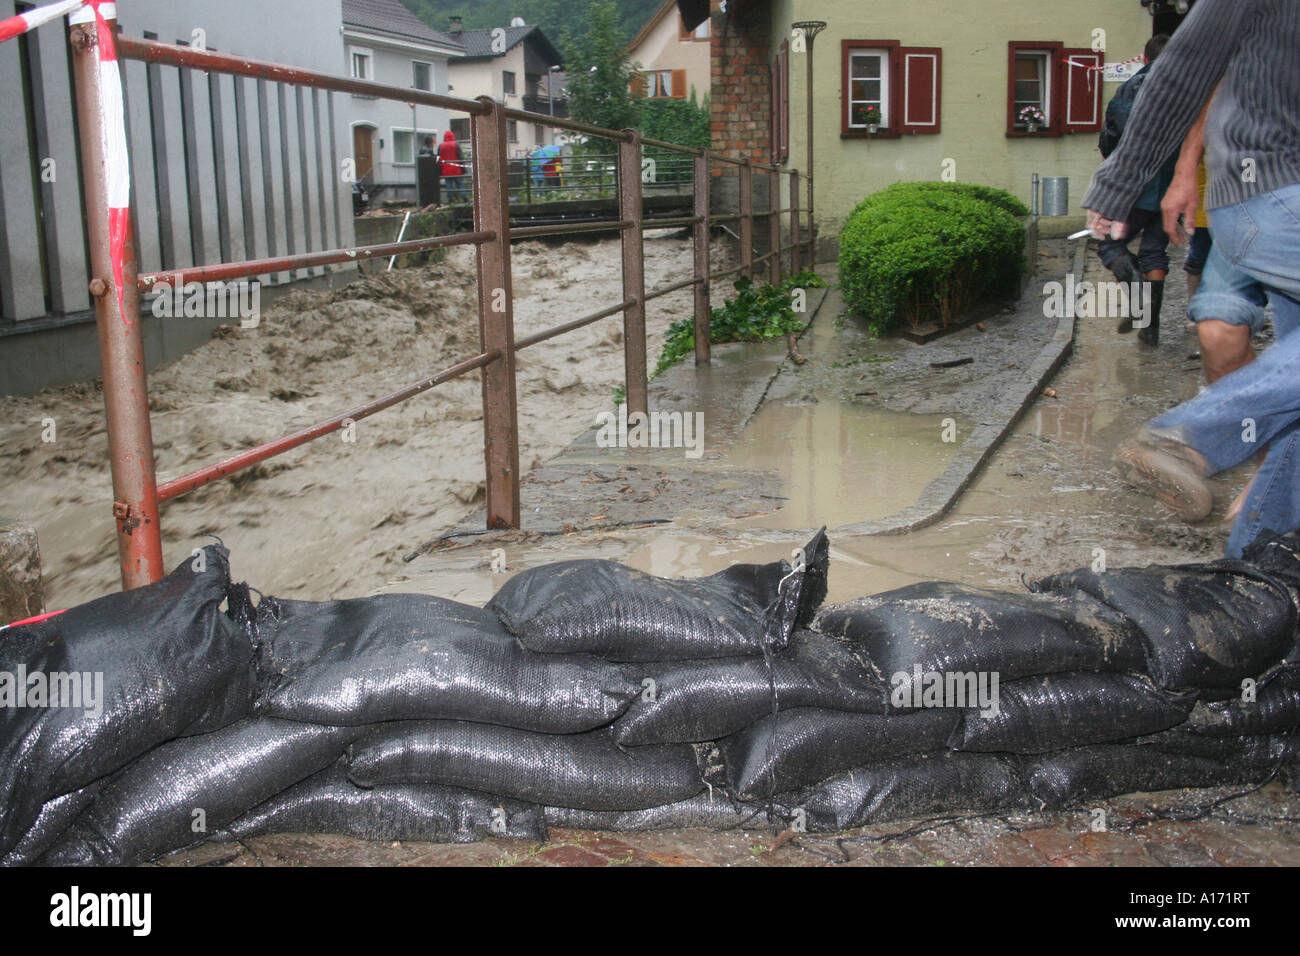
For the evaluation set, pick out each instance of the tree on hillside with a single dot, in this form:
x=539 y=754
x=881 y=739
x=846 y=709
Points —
x=600 y=72
x=553 y=16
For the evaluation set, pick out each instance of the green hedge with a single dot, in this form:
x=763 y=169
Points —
x=930 y=250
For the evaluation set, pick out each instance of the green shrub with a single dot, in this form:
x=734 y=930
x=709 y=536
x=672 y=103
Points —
x=918 y=251
x=756 y=314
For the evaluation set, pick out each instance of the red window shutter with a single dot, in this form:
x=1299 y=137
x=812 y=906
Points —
x=638 y=85
x=1079 y=90
x=774 y=126
x=921 y=75
x=679 y=84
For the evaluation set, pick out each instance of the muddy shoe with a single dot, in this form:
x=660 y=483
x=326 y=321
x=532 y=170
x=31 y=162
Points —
x=1125 y=269
x=1151 y=334
x=1172 y=479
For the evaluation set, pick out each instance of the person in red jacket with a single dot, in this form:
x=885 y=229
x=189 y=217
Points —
x=453 y=169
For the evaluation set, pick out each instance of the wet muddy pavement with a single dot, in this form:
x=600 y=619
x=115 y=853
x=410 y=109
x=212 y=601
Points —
x=791 y=448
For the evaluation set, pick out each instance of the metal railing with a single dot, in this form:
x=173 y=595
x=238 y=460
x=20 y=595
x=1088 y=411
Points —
x=138 y=496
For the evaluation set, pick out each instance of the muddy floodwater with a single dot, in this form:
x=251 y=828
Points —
x=334 y=518
x=1047 y=500
x=852 y=436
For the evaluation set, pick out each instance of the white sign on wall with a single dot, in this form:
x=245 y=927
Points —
x=1123 y=70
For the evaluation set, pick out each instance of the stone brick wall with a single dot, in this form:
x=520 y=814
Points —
x=741 y=97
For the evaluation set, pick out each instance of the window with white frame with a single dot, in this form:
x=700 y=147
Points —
x=868 y=88
x=1033 y=85
x=406 y=145
x=507 y=82
x=361 y=65
x=422 y=75
x=659 y=84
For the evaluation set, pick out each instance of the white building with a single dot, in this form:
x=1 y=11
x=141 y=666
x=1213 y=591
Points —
x=520 y=67
x=222 y=169
x=386 y=43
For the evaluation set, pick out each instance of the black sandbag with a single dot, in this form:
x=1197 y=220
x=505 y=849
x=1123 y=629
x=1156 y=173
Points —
x=704 y=811
x=171 y=662
x=805 y=745
x=1202 y=625
x=1249 y=747
x=614 y=612
x=949 y=628
x=1042 y=714
x=1107 y=770
x=149 y=808
x=54 y=819
x=585 y=771
x=1277 y=555
x=1275 y=709
x=330 y=803
x=410 y=656
x=689 y=701
x=905 y=788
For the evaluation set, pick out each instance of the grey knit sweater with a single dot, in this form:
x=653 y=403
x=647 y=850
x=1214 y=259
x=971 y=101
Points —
x=1252 y=136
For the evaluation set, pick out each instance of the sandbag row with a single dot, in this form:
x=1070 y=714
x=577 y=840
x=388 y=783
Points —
x=588 y=695
x=386 y=718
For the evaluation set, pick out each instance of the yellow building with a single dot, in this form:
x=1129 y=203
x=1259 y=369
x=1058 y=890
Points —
x=949 y=80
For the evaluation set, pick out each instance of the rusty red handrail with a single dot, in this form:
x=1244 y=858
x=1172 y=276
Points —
x=137 y=496
x=252 y=456
x=256 y=267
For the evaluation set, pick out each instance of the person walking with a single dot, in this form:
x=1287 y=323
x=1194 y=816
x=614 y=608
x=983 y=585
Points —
x=453 y=169
x=1152 y=261
x=1248 y=49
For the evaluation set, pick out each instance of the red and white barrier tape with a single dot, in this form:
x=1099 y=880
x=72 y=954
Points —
x=112 y=130
x=33 y=620
x=15 y=26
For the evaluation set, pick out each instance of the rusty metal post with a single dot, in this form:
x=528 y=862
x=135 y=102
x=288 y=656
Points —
x=629 y=210
x=774 y=226
x=811 y=28
x=746 y=219
x=700 y=235
x=496 y=315
x=795 y=263
x=121 y=343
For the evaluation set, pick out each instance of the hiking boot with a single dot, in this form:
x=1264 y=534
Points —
x=1126 y=268
x=1170 y=472
x=1151 y=334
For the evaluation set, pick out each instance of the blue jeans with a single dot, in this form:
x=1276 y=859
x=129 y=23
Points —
x=1229 y=294
x=455 y=187
x=1259 y=403
x=1198 y=250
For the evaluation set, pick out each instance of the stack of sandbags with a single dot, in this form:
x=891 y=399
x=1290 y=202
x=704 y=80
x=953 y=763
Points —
x=87 y=693
x=693 y=653
x=245 y=718
x=387 y=718
x=1106 y=683
x=590 y=695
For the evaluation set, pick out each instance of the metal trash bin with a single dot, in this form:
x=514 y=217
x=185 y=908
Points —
x=1056 y=195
